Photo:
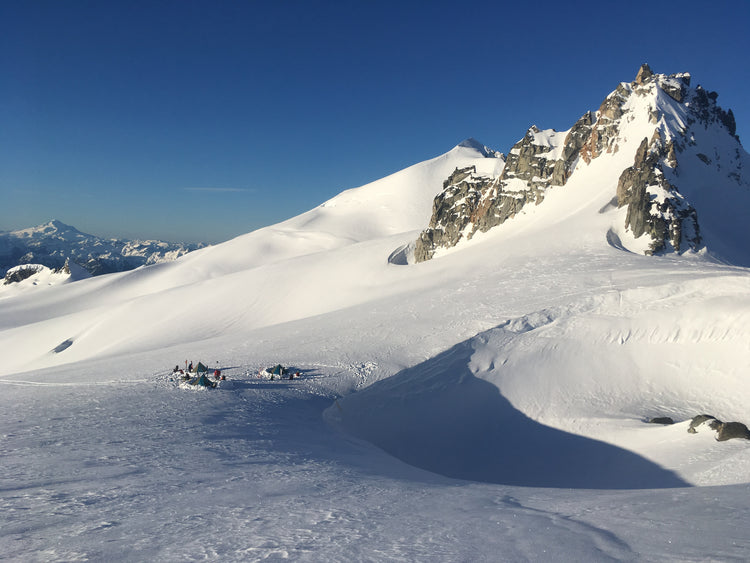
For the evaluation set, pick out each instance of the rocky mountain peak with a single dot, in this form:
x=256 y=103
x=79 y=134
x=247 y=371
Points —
x=682 y=125
x=644 y=73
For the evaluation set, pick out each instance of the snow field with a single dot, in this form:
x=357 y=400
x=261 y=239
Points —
x=513 y=374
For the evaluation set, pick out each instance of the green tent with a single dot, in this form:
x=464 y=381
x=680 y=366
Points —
x=200 y=368
x=278 y=369
x=203 y=381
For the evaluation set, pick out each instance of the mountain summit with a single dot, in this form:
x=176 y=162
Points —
x=664 y=151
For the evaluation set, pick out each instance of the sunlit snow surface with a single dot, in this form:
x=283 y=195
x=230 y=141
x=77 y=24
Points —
x=513 y=373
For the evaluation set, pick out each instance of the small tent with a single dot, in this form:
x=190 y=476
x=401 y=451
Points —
x=203 y=381
x=200 y=368
x=278 y=369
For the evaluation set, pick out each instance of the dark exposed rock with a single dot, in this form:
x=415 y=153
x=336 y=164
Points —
x=62 y=346
x=65 y=269
x=673 y=85
x=576 y=139
x=669 y=221
x=470 y=203
x=529 y=161
x=704 y=109
x=674 y=90
x=458 y=175
x=727 y=119
x=729 y=430
x=644 y=73
x=661 y=420
x=724 y=430
x=698 y=420
x=603 y=137
x=21 y=273
x=451 y=213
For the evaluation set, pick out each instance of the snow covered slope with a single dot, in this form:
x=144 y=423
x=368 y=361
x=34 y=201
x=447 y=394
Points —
x=314 y=263
x=524 y=361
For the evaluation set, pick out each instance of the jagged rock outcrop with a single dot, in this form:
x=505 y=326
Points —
x=65 y=269
x=603 y=133
x=654 y=206
x=20 y=273
x=724 y=430
x=701 y=419
x=471 y=203
x=461 y=194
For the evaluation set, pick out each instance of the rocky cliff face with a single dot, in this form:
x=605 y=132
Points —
x=655 y=207
x=666 y=107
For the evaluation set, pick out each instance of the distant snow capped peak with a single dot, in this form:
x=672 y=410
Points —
x=57 y=225
x=472 y=143
x=53 y=228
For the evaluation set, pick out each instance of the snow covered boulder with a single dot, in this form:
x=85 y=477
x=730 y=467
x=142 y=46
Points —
x=724 y=430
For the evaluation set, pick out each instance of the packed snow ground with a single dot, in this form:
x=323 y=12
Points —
x=486 y=405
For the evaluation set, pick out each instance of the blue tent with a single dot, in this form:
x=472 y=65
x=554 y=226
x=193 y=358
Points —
x=278 y=369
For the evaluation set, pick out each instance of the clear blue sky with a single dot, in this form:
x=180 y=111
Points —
x=199 y=121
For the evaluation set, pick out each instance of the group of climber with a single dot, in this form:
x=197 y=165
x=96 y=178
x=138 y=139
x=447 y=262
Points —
x=278 y=372
x=198 y=375
x=198 y=369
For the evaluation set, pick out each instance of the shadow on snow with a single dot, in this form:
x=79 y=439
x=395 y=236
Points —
x=438 y=416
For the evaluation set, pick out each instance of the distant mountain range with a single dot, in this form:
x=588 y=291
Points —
x=54 y=243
